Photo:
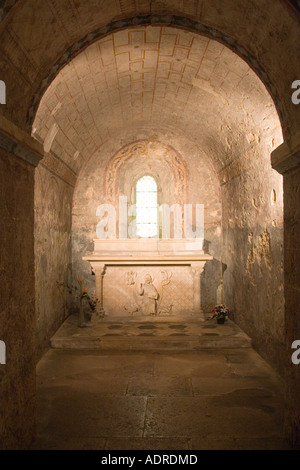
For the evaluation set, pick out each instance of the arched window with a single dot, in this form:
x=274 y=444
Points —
x=146 y=207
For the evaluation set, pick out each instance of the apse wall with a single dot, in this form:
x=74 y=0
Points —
x=53 y=201
x=252 y=195
x=151 y=153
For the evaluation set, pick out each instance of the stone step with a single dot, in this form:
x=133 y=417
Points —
x=150 y=336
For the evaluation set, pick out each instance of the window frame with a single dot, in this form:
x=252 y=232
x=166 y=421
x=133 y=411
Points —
x=157 y=205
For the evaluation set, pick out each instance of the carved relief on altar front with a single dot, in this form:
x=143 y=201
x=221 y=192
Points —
x=128 y=291
x=148 y=292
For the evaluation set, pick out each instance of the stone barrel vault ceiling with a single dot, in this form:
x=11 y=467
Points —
x=158 y=78
x=38 y=37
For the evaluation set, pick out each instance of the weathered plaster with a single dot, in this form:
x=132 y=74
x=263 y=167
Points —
x=53 y=202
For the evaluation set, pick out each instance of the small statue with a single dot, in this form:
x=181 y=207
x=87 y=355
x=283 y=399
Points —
x=150 y=296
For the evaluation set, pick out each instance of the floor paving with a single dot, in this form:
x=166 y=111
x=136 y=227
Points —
x=212 y=398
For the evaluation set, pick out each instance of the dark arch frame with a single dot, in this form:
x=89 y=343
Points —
x=181 y=22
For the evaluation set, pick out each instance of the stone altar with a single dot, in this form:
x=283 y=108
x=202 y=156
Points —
x=148 y=277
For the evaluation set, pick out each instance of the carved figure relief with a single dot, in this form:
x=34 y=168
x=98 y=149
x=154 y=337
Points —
x=147 y=293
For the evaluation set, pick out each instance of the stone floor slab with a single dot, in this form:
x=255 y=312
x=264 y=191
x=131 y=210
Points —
x=190 y=365
x=148 y=444
x=201 y=417
x=160 y=386
x=58 y=363
x=63 y=412
x=238 y=444
x=65 y=443
x=218 y=386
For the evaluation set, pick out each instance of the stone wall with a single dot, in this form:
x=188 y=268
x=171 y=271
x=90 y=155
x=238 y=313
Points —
x=17 y=320
x=292 y=283
x=253 y=253
x=53 y=202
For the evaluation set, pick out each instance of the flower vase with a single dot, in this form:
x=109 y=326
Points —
x=81 y=320
x=221 y=321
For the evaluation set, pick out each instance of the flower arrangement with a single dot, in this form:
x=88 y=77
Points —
x=220 y=312
x=81 y=294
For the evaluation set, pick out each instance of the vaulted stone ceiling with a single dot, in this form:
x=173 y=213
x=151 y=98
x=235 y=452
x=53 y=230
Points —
x=35 y=35
x=157 y=78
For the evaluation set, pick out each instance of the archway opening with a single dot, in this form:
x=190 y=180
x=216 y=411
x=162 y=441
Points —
x=175 y=89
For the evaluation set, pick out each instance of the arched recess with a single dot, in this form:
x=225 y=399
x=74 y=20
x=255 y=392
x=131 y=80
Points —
x=235 y=127
x=146 y=150
x=184 y=175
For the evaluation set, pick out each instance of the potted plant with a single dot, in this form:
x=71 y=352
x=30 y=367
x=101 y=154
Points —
x=220 y=312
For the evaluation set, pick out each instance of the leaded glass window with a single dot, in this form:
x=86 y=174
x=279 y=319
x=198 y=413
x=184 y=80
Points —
x=146 y=207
